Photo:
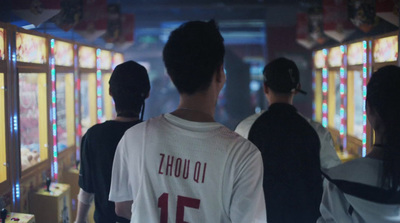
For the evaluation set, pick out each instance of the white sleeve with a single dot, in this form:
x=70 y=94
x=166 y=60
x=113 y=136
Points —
x=120 y=189
x=247 y=201
x=333 y=206
x=328 y=155
x=243 y=128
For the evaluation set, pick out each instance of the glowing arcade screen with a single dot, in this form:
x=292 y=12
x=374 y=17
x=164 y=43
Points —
x=88 y=101
x=2 y=44
x=3 y=168
x=106 y=59
x=385 y=49
x=63 y=53
x=108 y=103
x=335 y=60
x=118 y=58
x=65 y=111
x=355 y=103
x=335 y=57
x=319 y=59
x=33 y=118
x=87 y=57
x=355 y=53
x=338 y=101
x=318 y=96
x=31 y=49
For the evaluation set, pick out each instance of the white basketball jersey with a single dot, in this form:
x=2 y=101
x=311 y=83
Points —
x=176 y=170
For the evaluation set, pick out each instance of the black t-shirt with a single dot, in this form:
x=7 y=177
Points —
x=290 y=150
x=98 y=147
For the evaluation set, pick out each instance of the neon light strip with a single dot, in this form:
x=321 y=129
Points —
x=313 y=88
x=98 y=88
x=54 y=167
x=78 y=127
x=365 y=71
x=325 y=91
x=14 y=130
x=343 y=94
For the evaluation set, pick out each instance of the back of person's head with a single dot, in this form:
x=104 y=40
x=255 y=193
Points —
x=282 y=76
x=382 y=92
x=129 y=87
x=193 y=53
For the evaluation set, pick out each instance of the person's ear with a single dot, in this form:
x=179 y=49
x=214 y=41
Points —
x=298 y=88
x=220 y=74
x=266 y=89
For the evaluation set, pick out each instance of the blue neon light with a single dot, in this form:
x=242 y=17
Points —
x=17 y=190
x=15 y=123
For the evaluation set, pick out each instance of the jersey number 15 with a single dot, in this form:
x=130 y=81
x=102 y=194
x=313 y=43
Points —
x=180 y=207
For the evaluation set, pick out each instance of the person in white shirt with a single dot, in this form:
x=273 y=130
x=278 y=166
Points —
x=368 y=189
x=183 y=166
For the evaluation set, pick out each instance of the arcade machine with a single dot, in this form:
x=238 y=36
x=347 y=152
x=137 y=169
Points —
x=357 y=68
x=38 y=153
x=384 y=52
x=88 y=84
x=63 y=67
x=106 y=70
x=336 y=76
x=33 y=103
x=7 y=203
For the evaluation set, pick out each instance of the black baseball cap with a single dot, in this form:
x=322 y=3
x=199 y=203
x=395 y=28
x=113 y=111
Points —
x=282 y=76
x=131 y=75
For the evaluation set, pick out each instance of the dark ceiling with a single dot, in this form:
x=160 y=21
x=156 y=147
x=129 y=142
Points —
x=241 y=21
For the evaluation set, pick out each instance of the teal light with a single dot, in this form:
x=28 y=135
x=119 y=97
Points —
x=324 y=108
x=324 y=122
x=324 y=87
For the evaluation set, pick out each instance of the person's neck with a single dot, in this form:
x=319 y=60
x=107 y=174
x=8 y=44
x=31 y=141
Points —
x=126 y=119
x=377 y=149
x=282 y=100
x=198 y=107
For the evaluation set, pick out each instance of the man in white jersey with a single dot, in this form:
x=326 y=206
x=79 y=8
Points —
x=183 y=166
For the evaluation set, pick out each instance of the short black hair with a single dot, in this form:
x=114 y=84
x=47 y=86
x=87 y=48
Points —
x=128 y=102
x=192 y=54
x=382 y=90
x=129 y=87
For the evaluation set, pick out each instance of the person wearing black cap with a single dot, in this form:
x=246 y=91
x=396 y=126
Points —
x=183 y=166
x=289 y=146
x=328 y=155
x=129 y=87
